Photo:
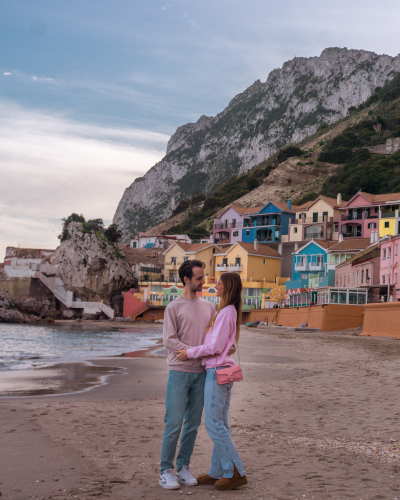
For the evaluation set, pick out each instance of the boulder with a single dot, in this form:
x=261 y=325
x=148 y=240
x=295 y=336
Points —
x=9 y=312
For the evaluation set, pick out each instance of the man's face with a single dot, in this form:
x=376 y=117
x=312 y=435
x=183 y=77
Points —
x=197 y=281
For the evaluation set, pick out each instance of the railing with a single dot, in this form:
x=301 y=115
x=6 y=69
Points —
x=310 y=220
x=352 y=235
x=230 y=225
x=263 y=223
x=301 y=267
x=387 y=215
x=314 y=234
x=173 y=266
x=229 y=267
x=316 y=266
x=352 y=217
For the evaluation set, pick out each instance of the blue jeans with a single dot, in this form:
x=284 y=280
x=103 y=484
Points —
x=216 y=418
x=184 y=402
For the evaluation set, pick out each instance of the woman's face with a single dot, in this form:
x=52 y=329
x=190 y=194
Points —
x=220 y=288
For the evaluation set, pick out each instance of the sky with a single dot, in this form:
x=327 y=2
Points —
x=90 y=92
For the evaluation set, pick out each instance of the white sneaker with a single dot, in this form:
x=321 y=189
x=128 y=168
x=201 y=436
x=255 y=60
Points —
x=184 y=477
x=167 y=480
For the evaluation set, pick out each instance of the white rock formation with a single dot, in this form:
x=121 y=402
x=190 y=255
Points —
x=288 y=107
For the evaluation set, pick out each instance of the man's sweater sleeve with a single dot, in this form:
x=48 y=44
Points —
x=170 y=331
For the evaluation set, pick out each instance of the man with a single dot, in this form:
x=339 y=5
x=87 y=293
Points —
x=185 y=322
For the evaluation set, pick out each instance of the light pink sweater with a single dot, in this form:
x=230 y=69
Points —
x=218 y=340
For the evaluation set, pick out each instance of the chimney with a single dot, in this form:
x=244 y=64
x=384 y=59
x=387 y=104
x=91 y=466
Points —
x=339 y=200
x=340 y=238
x=289 y=204
x=372 y=237
x=256 y=245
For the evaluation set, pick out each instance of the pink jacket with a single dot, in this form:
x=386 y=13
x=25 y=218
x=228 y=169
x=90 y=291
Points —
x=218 y=340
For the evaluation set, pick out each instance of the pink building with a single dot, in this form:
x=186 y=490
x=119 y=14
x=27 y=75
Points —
x=359 y=216
x=361 y=271
x=390 y=267
x=228 y=228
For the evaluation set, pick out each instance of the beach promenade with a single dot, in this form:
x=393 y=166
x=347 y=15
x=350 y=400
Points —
x=316 y=417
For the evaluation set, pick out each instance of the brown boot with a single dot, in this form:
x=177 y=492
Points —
x=230 y=483
x=206 y=479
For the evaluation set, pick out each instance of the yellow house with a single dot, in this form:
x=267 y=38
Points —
x=318 y=219
x=253 y=261
x=178 y=253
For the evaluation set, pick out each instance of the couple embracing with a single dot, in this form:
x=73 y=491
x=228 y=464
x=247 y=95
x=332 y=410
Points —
x=199 y=343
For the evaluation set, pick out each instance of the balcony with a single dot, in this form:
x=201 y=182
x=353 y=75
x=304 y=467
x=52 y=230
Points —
x=301 y=267
x=311 y=220
x=228 y=226
x=173 y=266
x=387 y=215
x=352 y=217
x=263 y=223
x=229 y=268
x=316 y=266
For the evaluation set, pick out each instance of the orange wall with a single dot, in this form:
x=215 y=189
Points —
x=152 y=314
x=382 y=320
x=131 y=304
x=259 y=314
x=329 y=317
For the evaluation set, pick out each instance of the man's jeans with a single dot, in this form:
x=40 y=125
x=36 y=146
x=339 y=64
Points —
x=216 y=418
x=184 y=401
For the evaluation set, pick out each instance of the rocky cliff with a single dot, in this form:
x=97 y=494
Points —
x=92 y=267
x=288 y=107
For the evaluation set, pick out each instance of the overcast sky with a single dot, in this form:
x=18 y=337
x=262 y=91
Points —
x=90 y=91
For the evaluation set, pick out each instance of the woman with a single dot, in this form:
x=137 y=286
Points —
x=227 y=470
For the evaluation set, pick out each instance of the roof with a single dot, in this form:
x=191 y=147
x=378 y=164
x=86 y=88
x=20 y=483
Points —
x=322 y=243
x=143 y=256
x=264 y=250
x=331 y=201
x=351 y=244
x=362 y=253
x=284 y=207
x=193 y=247
x=376 y=198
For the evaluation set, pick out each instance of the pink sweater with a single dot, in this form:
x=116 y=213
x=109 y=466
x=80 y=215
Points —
x=218 y=340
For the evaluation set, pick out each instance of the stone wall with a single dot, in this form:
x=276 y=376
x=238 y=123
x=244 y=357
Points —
x=391 y=146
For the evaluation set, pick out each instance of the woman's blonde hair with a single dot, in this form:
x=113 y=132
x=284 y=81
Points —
x=232 y=296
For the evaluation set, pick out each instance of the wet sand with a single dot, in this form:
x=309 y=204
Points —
x=315 y=418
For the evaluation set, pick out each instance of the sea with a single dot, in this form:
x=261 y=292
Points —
x=27 y=346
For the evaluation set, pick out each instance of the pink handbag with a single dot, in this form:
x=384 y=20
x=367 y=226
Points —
x=230 y=374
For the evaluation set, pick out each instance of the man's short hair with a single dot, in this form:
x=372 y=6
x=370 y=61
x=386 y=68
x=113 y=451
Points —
x=186 y=269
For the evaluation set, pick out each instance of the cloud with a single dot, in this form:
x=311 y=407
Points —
x=51 y=166
x=6 y=74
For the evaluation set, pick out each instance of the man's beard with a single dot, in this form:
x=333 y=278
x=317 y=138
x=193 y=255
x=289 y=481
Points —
x=196 y=288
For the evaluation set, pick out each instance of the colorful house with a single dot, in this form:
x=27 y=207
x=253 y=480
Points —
x=345 y=249
x=269 y=224
x=228 y=227
x=178 y=253
x=310 y=268
x=366 y=213
x=390 y=269
x=361 y=271
x=318 y=219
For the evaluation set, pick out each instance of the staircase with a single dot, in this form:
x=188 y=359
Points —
x=50 y=276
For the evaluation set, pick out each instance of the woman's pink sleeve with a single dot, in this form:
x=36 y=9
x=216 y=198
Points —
x=221 y=332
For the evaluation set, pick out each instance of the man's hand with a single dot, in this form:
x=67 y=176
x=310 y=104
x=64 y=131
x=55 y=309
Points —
x=182 y=354
x=232 y=350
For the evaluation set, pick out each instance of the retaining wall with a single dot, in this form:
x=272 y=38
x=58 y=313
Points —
x=382 y=320
x=328 y=318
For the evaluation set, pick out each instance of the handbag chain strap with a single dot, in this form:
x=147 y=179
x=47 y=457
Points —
x=238 y=352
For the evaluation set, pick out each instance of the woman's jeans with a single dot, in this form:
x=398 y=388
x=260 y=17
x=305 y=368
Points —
x=184 y=402
x=216 y=418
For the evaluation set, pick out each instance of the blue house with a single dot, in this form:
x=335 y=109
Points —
x=310 y=267
x=269 y=224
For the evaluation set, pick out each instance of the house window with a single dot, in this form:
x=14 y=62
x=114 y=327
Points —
x=315 y=217
x=395 y=278
x=235 y=233
x=295 y=229
x=264 y=261
x=344 y=280
x=387 y=224
x=362 y=276
x=384 y=253
x=237 y=261
x=173 y=260
x=337 y=281
x=210 y=262
x=372 y=225
x=383 y=279
x=354 y=278
x=233 y=222
x=389 y=252
x=211 y=290
x=247 y=232
x=185 y=259
x=252 y=292
x=358 y=277
x=340 y=280
x=397 y=249
x=336 y=228
x=303 y=276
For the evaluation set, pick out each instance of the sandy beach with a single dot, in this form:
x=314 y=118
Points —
x=316 y=417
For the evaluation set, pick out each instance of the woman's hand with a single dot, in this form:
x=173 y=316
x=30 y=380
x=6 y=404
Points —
x=182 y=354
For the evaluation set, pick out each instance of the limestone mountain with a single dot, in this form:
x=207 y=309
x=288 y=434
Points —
x=288 y=107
